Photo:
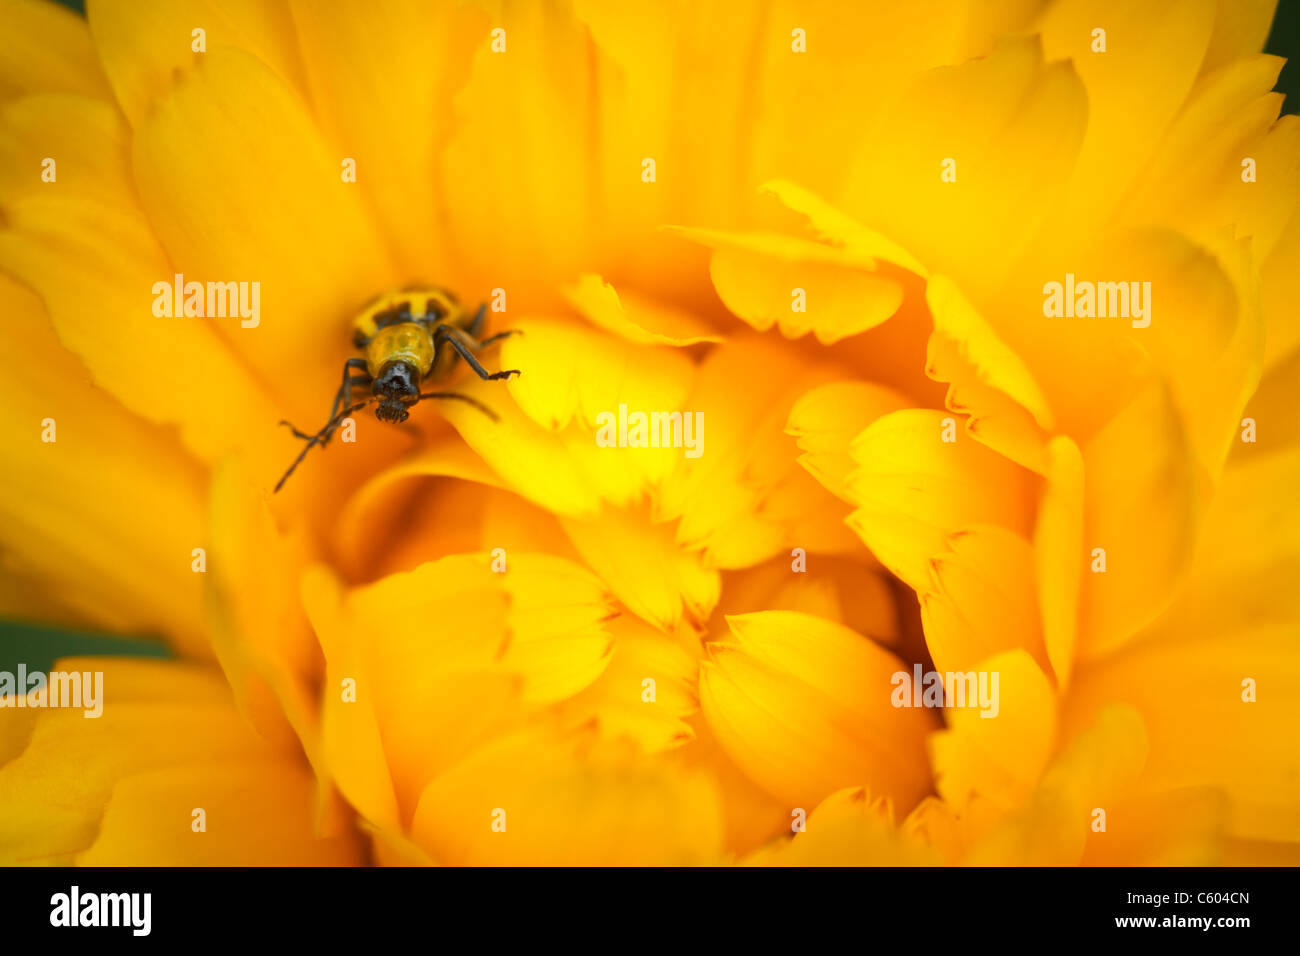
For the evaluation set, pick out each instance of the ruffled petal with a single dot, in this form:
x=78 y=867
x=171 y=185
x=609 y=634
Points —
x=913 y=489
x=645 y=694
x=998 y=752
x=826 y=420
x=981 y=600
x=636 y=317
x=1006 y=408
x=803 y=707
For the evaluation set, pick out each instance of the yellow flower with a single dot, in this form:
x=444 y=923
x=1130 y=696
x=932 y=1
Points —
x=825 y=236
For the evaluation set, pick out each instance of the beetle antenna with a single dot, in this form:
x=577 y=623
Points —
x=465 y=398
x=320 y=437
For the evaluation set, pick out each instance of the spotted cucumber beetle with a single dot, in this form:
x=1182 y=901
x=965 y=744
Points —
x=404 y=347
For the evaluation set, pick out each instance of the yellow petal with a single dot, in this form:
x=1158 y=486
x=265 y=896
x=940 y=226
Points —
x=1275 y=428
x=981 y=600
x=1264 y=214
x=1176 y=828
x=541 y=798
x=71 y=250
x=652 y=109
x=496 y=202
x=1205 y=734
x=252 y=154
x=256 y=813
x=394 y=848
x=743 y=498
x=839 y=229
x=1204 y=729
x=644 y=694
x=460 y=517
x=72 y=506
x=157 y=716
x=86 y=138
x=635 y=317
x=1007 y=410
x=1260 y=853
x=1215 y=336
x=1156 y=48
x=752 y=816
x=1141 y=494
x=913 y=488
x=1058 y=547
x=1010 y=122
x=23 y=597
x=855 y=593
x=848 y=828
x=351 y=743
x=557 y=613
x=395 y=502
x=749 y=108
x=575 y=372
x=578 y=385
x=1053 y=824
x=803 y=707
x=534 y=461
x=260 y=632
x=444 y=657
x=827 y=419
x=1240 y=28
x=1228 y=116
x=645 y=567
x=1278 y=293
x=145 y=47
x=798 y=285
x=384 y=80
x=998 y=754
x=50 y=50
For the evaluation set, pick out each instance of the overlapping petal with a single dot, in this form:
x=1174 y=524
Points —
x=803 y=707
x=169 y=741
x=497 y=640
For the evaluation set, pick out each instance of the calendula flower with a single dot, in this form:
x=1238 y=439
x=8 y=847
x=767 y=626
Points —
x=967 y=329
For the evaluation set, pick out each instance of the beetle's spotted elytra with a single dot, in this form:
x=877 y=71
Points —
x=407 y=337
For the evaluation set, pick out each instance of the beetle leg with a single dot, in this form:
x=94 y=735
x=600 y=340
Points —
x=318 y=439
x=340 y=398
x=456 y=338
x=348 y=381
x=476 y=324
x=296 y=433
x=499 y=336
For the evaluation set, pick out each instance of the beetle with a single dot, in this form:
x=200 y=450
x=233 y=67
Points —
x=407 y=337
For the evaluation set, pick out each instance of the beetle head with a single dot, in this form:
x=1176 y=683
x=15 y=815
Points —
x=397 y=387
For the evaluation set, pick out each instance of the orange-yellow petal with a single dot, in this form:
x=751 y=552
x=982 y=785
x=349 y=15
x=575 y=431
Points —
x=913 y=488
x=49 y=50
x=145 y=47
x=546 y=798
x=848 y=828
x=803 y=707
x=71 y=513
x=981 y=599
